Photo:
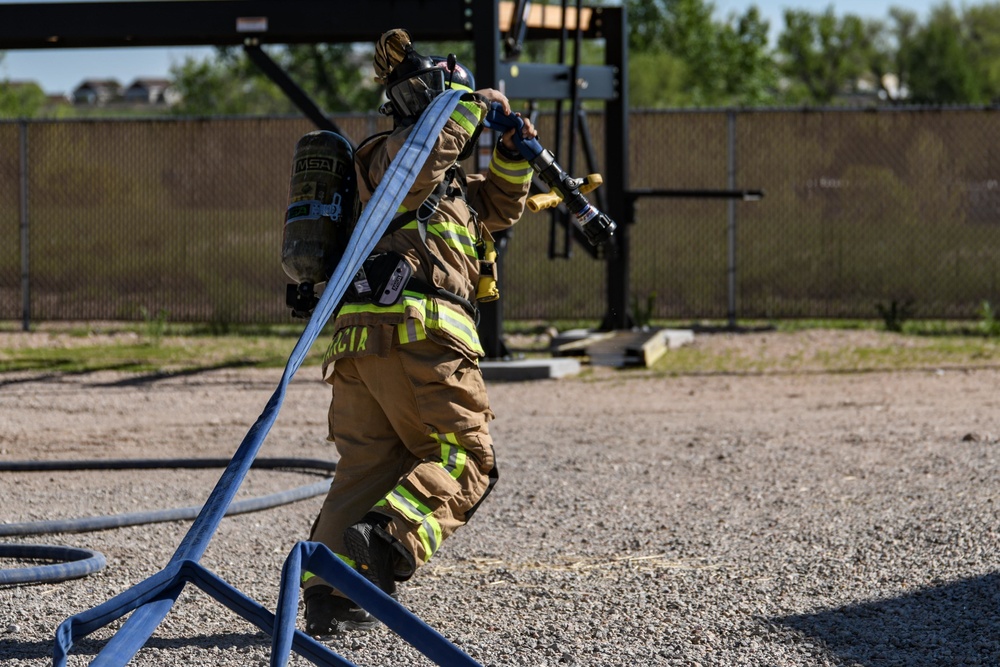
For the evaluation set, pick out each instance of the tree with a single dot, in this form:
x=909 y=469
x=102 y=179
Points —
x=657 y=80
x=982 y=26
x=702 y=61
x=229 y=83
x=890 y=56
x=823 y=56
x=225 y=85
x=21 y=100
x=335 y=75
x=751 y=77
x=940 y=65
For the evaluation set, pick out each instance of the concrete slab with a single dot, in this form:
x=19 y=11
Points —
x=633 y=347
x=529 y=369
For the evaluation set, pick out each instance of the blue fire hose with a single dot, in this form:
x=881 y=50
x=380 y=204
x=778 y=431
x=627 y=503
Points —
x=151 y=600
x=75 y=563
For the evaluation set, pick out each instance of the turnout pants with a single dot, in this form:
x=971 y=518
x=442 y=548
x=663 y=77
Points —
x=411 y=430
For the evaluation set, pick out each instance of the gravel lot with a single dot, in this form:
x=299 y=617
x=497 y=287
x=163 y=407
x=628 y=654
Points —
x=776 y=519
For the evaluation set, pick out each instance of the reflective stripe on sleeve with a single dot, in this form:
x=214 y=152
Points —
x=468 y=115
x=512 y=172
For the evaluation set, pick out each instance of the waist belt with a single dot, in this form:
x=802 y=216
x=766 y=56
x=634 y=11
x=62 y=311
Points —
x=383 y=277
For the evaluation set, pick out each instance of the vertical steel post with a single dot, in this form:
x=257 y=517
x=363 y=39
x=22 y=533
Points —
x=25 y=255
x=616 y=168
x=731 y=206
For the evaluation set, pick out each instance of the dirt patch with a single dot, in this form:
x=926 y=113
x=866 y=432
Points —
x=794 y=517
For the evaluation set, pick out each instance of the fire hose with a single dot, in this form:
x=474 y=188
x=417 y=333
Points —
x=73 y=563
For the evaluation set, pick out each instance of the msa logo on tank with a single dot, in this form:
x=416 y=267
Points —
x=316 y=163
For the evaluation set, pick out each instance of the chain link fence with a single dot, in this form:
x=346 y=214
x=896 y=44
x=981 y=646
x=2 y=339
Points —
x=181 y=218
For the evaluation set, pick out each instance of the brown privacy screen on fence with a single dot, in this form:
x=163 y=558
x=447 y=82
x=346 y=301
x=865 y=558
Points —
x=182 y=219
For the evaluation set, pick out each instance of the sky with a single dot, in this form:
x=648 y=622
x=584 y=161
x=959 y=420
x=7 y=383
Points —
x=62 y=70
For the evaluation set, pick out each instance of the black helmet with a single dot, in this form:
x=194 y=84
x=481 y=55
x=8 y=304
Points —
x=456 y=75
x=417 y=80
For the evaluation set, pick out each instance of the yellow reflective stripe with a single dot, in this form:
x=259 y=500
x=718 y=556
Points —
x=430 y=535
x=453 y=455
x=410 y=331
x=435 y=317
x=512 y=172
x=353 y=308
x=468 y=115
x=458 y=325
x=429 y=530
x=454 y=235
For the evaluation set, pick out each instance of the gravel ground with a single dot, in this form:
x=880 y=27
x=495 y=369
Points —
x=763 y=519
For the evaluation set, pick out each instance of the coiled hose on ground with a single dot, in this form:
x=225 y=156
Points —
x=73 y=563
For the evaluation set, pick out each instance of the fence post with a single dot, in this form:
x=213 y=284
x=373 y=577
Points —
x=25 y=256
x=731 y=205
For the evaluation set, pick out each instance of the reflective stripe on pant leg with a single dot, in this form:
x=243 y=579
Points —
x=428 y=530
x=453 y=455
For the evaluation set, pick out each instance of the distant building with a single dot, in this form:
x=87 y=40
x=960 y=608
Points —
x=151 y=91
x=143 y=92
x=97 y=92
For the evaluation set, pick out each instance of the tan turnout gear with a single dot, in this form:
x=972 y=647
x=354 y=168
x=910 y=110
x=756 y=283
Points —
x=390 y=49
x=409 y=413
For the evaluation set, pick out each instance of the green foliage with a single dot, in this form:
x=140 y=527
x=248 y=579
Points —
x=334 y=74
x=230 y=83
x=154 y=326
x=22 y=100
x=895 y=314
x=989 y=322
x=942 y=69
x=681 y=56
x=642 y=313
x=657 y=81
x=823 y=55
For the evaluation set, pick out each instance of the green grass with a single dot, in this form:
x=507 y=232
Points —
x=157 y=346
x=921 y=346
x=150 y=347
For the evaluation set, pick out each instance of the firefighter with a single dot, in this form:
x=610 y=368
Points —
x=409 y=414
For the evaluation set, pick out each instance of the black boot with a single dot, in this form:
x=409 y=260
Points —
x=377 y=555
x=328 y=614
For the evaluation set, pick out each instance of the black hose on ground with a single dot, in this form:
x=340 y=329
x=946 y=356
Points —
x=75 y=563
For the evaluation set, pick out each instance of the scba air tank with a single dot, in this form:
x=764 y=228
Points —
x=320 y=214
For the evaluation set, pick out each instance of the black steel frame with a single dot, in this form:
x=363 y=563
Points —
x=253 y=23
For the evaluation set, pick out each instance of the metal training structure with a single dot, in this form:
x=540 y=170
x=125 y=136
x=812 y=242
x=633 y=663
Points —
x=487 y=24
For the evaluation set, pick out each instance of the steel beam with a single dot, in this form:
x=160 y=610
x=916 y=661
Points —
x=67 y=25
